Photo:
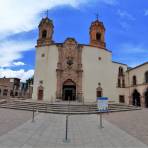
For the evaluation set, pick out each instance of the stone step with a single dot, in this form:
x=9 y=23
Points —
x=64 y=108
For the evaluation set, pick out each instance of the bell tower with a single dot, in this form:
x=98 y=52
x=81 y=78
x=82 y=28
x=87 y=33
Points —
x=97 y=34
x=46 y=30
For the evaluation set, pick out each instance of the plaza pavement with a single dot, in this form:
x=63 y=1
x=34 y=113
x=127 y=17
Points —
x=134 y=123
x=48 y=131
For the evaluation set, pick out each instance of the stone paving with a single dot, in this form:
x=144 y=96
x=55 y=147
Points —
x=48 y=131
x=134 y=123
x=10 y=119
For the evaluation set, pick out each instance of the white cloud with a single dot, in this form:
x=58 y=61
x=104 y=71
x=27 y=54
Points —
x=146 y=12
x=22 y=15
x=19 y=63
x=125 y=15
x=11 y=51
x=22 y=74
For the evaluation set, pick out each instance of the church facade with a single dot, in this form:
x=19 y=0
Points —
x=78 y=72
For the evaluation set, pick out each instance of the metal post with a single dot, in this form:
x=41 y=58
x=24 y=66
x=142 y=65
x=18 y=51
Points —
x=33 y=115
x=101 y=124
x=66 y=140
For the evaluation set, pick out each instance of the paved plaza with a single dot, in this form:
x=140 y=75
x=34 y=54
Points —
x=48 y=131
x=134 y=123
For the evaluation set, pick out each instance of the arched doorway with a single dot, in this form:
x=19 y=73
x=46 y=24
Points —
x=146 y=98
x=69 y=90
x=136 y=98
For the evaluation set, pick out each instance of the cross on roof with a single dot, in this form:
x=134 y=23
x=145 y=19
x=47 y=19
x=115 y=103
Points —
x=47 y=13
x=97 y=16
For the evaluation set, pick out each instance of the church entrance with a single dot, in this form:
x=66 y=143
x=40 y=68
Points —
x=69 y=91
x=136 y=98
x=146 y=98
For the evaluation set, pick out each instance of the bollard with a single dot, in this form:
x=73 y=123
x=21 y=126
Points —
x=66 y=140
x=101 y=124
x=33 y=115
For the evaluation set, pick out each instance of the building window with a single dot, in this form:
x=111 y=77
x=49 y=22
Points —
x=0 y=92
x=121 y=99
x=44 y=34
x=120 y=71
x=123 y=83
x=5 y=92
x=11 y=93
x=98 y=36
x=134 y=80
x=119 y=83
x=146 y=77
x=16 y=93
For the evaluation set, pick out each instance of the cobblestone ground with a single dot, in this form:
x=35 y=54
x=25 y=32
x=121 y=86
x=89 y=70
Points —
x=10 y=119
x=134 y=123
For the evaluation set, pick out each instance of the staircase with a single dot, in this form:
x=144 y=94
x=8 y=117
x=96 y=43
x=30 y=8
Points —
x=59 y=108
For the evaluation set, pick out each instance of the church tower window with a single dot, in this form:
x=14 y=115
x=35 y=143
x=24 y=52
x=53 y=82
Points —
x=98 y=36
x=44 y=34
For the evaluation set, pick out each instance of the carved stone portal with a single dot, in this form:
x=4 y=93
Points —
x=69 y=68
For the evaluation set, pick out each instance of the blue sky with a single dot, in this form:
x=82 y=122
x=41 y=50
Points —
x=126 y=26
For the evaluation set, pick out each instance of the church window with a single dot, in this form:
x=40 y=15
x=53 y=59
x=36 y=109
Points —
x=99 y=94
x=43 y=55
x=98 y=36
x=146 y=77
x=99 y=58
x=44 y=34
x=134 y=80
x=41 y=82
x=40 y=93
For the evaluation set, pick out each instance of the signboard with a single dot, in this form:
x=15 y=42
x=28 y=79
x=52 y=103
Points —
x=102 y=103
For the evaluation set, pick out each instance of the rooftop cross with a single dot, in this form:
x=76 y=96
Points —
x=97 y=16
x=47 y=13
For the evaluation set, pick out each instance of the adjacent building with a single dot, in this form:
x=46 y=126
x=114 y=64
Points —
x=13 y=88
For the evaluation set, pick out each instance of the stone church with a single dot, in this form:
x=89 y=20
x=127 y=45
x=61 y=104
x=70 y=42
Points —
x=80 y=72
